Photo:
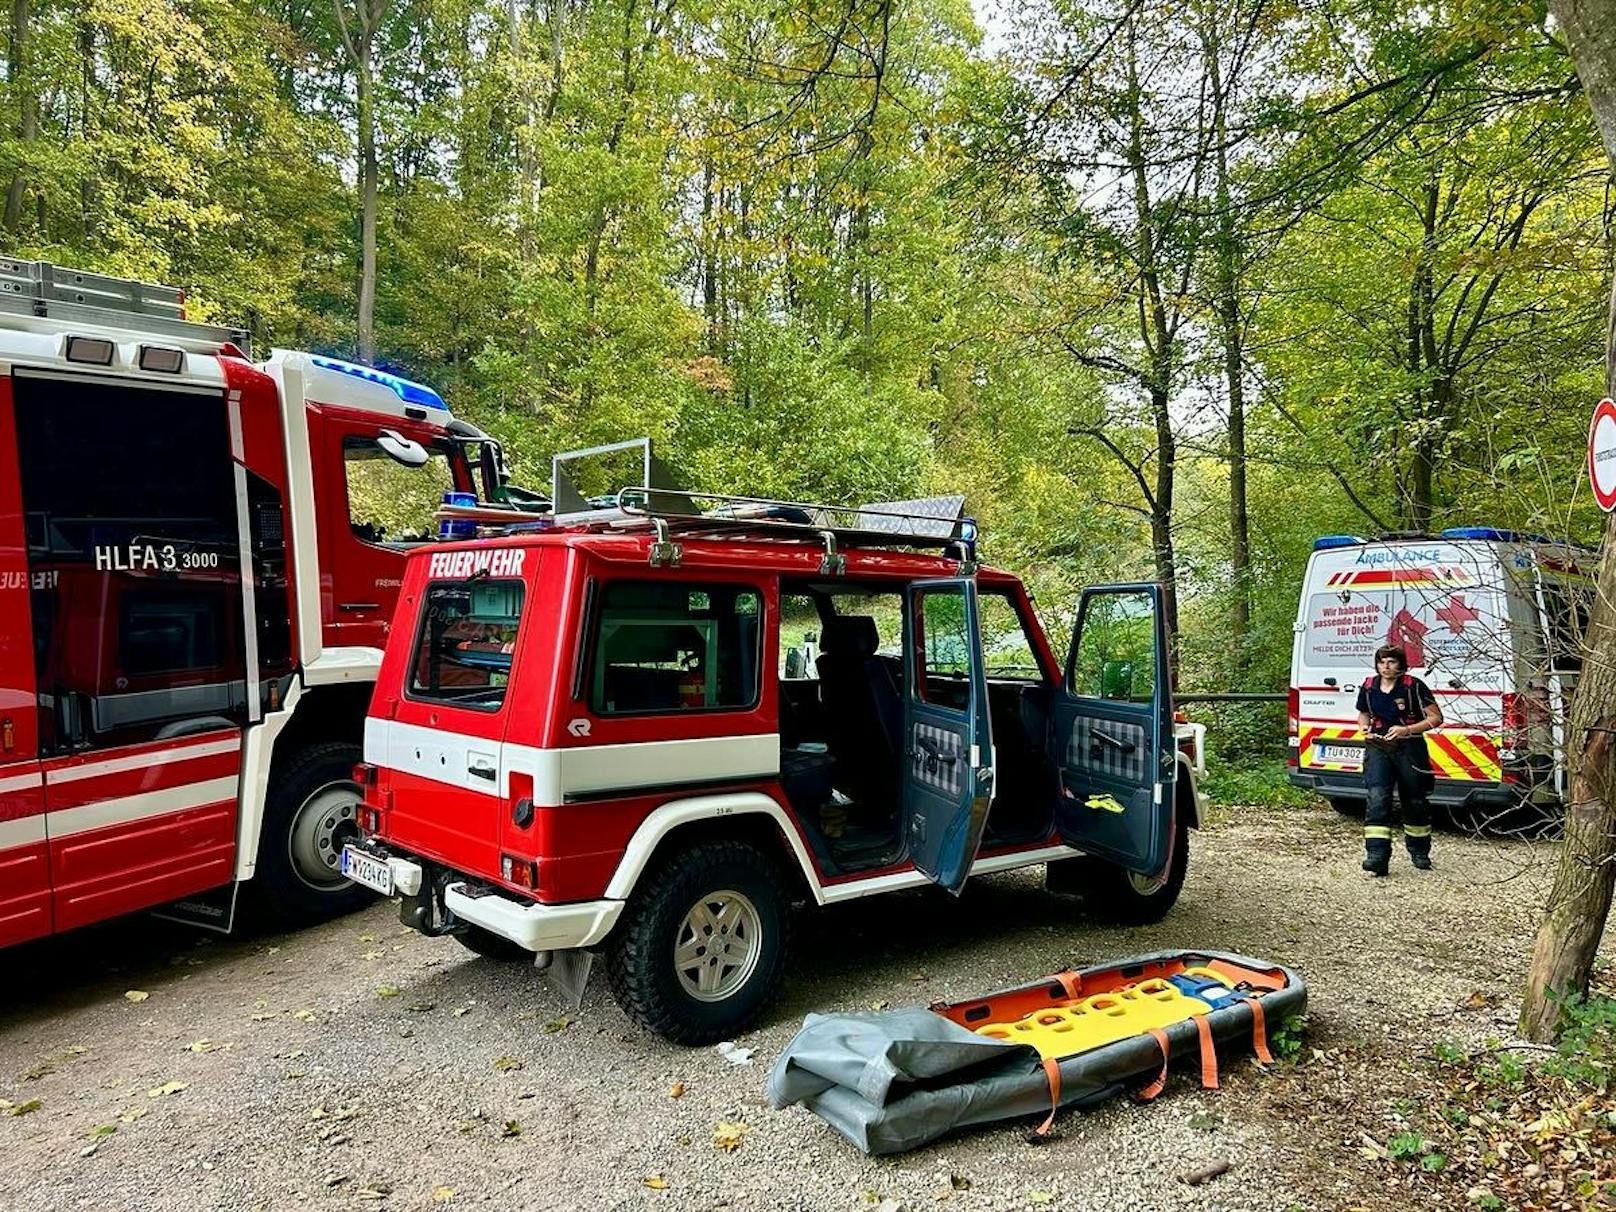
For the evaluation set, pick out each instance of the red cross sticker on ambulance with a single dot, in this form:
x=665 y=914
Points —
x=1457 y=613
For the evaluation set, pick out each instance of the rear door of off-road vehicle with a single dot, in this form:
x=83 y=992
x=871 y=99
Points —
x=1111 y=733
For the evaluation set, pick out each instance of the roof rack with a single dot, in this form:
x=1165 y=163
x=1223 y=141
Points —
x=42 y=290
x=931 y=522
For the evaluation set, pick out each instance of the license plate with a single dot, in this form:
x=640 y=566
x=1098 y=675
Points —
x=368 y=870
x=1350 y=754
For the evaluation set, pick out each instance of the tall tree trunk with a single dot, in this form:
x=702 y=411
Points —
x=1227 y=236
x=367 y=218
x=22 y=83
x=1423 y=365
x=1579 y=902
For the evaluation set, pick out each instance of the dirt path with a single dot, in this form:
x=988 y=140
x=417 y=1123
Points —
x=361 y=1066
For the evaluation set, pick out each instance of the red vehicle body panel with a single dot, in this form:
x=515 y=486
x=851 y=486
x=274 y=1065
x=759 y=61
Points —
x=579 y=845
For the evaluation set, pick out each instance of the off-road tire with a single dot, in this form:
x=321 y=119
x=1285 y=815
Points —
x=1110 y=895
x=639 y=957
x=276 y=895
x=1346 y=807
x=491 y=946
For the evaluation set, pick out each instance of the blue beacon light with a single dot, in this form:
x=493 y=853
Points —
x=407 y=390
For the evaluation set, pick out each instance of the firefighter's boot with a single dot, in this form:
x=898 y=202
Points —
x=1377 y=849
x=1418 y=840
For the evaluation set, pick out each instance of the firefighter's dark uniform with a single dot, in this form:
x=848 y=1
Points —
x=1405 y=765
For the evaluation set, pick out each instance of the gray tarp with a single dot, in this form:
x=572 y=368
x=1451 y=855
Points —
x=896 y=1079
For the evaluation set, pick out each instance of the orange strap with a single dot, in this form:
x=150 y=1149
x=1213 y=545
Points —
x=1209 y=1054
x=1052 y=1072
x=1259 y=1031
x=1071 y=982
x=1156 y=1087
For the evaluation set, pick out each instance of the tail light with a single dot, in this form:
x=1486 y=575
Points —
x=524 y=873
x=366 y=775
x=1293 y=724
x=1514 y=721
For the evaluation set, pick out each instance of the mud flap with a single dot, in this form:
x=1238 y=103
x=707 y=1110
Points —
x=568 y=971
x=212 y=910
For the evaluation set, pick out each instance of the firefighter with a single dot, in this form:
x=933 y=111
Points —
x=1394 y=709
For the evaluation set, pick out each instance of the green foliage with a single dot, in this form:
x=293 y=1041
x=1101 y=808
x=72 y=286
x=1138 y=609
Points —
x=1405 y=1146
x=857 y=252
x=1586 y=1050
x=1285 y=1040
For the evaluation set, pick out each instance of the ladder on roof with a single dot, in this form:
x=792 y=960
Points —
x=45 y=291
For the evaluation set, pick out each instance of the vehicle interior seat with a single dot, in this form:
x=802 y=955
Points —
x=863 y=712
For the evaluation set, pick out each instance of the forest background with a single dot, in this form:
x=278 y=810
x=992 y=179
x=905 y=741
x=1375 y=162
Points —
x=1167 y=290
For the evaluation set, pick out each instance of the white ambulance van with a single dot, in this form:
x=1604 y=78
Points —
x=1491 y=620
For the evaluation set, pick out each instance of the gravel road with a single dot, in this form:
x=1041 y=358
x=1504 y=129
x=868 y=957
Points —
x=358 y=1065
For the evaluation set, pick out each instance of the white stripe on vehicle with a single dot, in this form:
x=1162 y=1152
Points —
x=139 y=761
x=26 y=831
x=446 y=757
x=248 y=573
x=127 y=809
x=22 y=782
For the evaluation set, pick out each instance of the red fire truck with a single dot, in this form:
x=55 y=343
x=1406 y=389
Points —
x=199 y=556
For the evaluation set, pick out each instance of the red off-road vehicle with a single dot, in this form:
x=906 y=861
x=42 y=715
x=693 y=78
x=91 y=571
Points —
x=602 y=736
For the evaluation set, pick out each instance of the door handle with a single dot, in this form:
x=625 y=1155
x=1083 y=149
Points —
x=1115 y=742
x=931 y=749
x=481 y=770
x=359 y=605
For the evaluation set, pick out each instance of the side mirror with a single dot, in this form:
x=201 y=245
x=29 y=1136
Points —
x=1116 y=680
x=401 y=449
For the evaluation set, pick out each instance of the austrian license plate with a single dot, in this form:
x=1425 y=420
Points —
x=1349 y=754
x=368 y=870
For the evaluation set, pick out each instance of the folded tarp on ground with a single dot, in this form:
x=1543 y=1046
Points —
x=893 y=1080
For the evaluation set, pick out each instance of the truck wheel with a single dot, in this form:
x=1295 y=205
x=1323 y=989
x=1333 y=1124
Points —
x=491 y=946
x=1125 y=899
x=701 y=946
x=308 y=817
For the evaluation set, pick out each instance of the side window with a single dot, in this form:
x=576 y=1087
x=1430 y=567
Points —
x=468 y=634
x=1568 y=624
x=663 y=646
x=134 y=556
x=392 y=499
x=799 y=637
x=1115 y=656
x=1007 y=649
x=942 y=646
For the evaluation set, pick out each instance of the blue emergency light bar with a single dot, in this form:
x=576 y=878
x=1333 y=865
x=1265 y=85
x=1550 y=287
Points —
x=1498 y=536
x=407 y=390
x=1326 y=542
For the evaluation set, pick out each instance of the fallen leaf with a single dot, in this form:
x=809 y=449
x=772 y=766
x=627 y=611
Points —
x=204 y=1045
x=442 y=1195
x=959 y=1182
x=372 y=1193
x=507 y=1064
x=136 y=995
x=880 y=1005
x=461 y=1011
x=74 y=1050
x=677 y=1090
x=727 y=1136
x=557 y=1024
x=40 y=1070
x=421 y=1007
x=1040 y=1197
x=367 y=938
x=131 y=1115
x=27 y=1108
x=388 y=991
x=102 y=1130
x=656 y=1182
x=512 y=1128
x=374 y=955
x=167 y=1088
x=308 y=1016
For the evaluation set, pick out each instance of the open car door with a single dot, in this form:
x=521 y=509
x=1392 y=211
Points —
x=1111 y=731
x=948 y=760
